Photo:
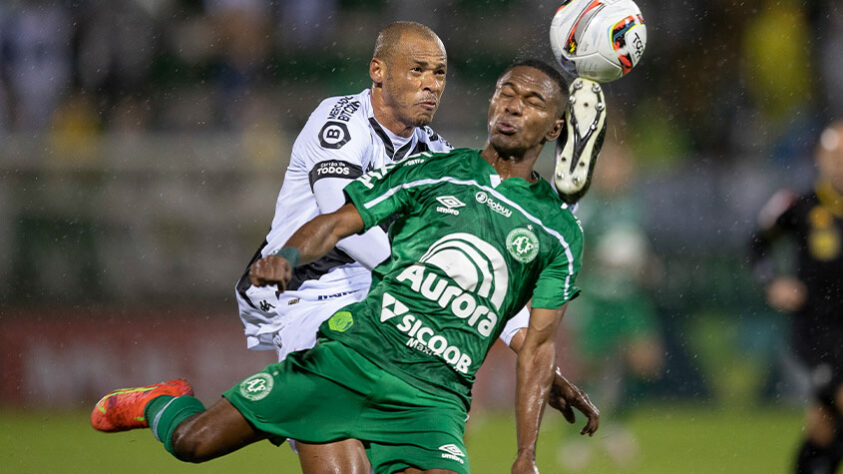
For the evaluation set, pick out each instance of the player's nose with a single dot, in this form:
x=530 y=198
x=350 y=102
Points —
x=432 y=83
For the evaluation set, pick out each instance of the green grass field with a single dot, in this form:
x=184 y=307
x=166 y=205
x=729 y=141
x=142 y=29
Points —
x=675 y=440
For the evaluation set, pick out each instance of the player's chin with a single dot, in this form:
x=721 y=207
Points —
x=506 y=145
x=423 y=118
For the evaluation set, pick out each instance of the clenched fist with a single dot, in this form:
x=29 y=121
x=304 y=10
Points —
x=271 y=270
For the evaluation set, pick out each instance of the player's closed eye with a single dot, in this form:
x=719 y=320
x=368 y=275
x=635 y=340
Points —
x=536 y=102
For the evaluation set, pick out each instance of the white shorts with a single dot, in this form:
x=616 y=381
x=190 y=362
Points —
x=288 y=322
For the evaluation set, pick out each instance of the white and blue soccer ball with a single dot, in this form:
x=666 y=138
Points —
x=601 y=40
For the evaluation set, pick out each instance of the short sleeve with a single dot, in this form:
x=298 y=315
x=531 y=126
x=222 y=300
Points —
x=386 y=191
x=556 y=284
x=332 y=148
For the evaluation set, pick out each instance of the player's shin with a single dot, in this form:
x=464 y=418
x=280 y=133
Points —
x=166 y=413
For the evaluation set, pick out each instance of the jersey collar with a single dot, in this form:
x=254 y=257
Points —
x=397 y=148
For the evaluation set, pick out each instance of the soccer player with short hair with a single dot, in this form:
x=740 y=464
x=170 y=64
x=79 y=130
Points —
x=478 y=233
x=343 y=138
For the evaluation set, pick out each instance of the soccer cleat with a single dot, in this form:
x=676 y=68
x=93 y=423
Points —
x=581 y=139
x=122 y=409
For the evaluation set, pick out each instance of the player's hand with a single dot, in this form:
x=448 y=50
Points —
x=525 y=464
x=565 y=396
x=271 y=270
x=786 y=294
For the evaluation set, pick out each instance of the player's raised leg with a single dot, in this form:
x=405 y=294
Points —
x=177 y=419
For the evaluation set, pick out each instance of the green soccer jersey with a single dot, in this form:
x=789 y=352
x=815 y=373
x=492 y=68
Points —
x=468 y=252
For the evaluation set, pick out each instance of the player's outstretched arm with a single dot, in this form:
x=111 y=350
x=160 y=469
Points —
x=312 y=241
x=536 y=361
x=564 y=395
x=368 y=249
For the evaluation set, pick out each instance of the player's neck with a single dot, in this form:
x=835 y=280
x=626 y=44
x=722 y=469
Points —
x=512 y=166
x=387 y=117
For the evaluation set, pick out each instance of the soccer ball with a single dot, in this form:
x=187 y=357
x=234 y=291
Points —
x=601 y=40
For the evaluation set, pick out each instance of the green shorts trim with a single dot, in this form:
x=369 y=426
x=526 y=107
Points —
x=331 y=393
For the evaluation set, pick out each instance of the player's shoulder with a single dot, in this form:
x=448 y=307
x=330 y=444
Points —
x=338 y=121
x=435 y=142
x=557 y=216
x=448 y=162
x=343 y=108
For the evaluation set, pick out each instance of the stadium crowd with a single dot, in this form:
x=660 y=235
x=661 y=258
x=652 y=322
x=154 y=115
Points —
x=181 y=66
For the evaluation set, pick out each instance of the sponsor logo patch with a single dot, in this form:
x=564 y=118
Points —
x=332 y=168
x=266 y=305
x=449 y=205
x=340 y=322
x=334 y=135
x=334 y=295
x=422 y=337
x=487 y=200
x=522 y=244
x=452 y=452
x=344 y=108
x=257 y=387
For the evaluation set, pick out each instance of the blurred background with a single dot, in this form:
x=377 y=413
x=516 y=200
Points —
x=143 y=143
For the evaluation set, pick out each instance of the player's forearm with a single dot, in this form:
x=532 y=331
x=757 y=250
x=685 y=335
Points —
x=317 y=237
x=534 y=378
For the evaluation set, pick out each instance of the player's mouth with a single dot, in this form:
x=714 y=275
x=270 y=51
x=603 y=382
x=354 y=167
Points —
x=506 y=128
x=428 y=104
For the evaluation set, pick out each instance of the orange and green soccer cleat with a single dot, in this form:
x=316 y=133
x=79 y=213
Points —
x=122 y=409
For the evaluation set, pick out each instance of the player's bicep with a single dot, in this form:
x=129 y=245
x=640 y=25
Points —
x=543 y=324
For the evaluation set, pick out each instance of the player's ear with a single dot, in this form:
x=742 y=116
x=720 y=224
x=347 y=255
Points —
x=377 y=70
x=555 y=130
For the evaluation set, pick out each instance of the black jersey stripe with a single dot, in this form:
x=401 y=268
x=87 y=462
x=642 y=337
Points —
x=387 y=143
x=244 y=283
x=421 y=147
x=315 y=270
x=302 y=273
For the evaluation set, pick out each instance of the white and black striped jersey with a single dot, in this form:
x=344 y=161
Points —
x=340 y=142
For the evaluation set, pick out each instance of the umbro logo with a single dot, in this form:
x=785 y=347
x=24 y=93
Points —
x=450 y=202
x=452 y=452
x=449 y=205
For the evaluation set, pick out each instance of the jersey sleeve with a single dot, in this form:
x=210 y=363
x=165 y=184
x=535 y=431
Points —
x=386 y=191
x=329 y=147
x=556 y=284
x=516 y=323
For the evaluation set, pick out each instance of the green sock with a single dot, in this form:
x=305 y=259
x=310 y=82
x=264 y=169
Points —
x=165 y=413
